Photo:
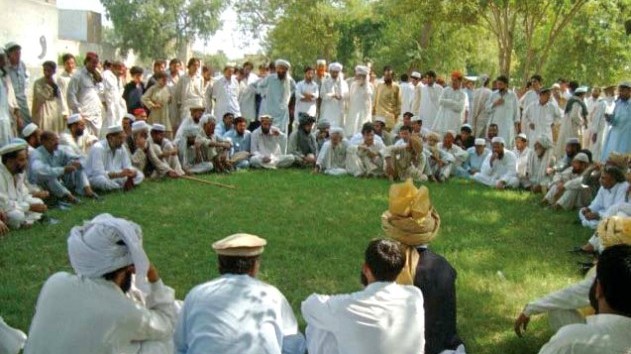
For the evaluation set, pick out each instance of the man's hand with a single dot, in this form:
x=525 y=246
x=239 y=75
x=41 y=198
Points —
x=38 y=208
x=275 y=132
x=128 y=172
x=41 y=194
x=267 y=159
x=500 y=185
x=173 y=174
x=152 y=274
x=70 y=168
x=521 y=324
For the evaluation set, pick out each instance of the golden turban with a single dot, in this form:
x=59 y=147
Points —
x=614 y=230
x=411 y=220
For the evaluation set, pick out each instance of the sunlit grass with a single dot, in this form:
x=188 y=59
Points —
x=506 y=249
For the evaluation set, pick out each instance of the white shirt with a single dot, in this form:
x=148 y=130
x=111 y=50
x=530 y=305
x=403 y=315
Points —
x=602 y=334
x=84 y=94
x=102 y=160
x=522 y=161
x=605 y=198
x=226 y=95
x=502 y=170
x=384 y=318
x=234 y=314
x=267 y=145
x=308 y=107
x=98 y=318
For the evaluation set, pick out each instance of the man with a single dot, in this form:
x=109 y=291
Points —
x=322 y=133
x=598 y=124
x=522 y=153
x=426 y=99
x=360 y=104
x=225 y=125
x=159 y=67
x=380 y=131
x=60 y=171
x=191 y=153
x=452 y=104
x=540 y=166
x=108 y=165
x=369 y=154
x=407 y=91
x=607 y=331
x=491 y=133
x=439 y=162
x=46 y=107
x=383 y=318
x=75 y=138
x=459 y=155
x=63 y=80
x=190 y=89
x=241 y=139
x=591 y=103
x=499 y=169
x=101 y=316
x=572 y=147
x=277 y=89
x=196 y=111
x=115 y=105
x=302 y=144
x=573 y=121
x=539 y=116
x=405 y=121
x=332 y=157
x=388 y=99
x=214 y=148
x=307 y=95
x=11 y=339
x=321 y=75
x=531 y=96
x=219 y=317
x=406 y=161
x=613 y=190
x=479 y=115
x=465 y=139
x=412 y=220
x=267 y=146
x=503 y=110
x=134 y=89
x=620 y=124
x=566 y=190
x=334 y=95
x=475 y=157
x=225 y=92
x=173 y=78
x=247 y=93
x=84 y=94
x=20 y=207
x=207 y=84
x=17 y=73
x=166 y=161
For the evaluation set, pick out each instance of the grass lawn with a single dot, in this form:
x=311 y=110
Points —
x=317 y=228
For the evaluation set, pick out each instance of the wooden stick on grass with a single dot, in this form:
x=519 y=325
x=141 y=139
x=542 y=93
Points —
x=191 y=178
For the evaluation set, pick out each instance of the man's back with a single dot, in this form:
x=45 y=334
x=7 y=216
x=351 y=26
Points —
x=383 y=318
x=234 y=314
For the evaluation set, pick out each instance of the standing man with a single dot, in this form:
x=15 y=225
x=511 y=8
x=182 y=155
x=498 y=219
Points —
x=115 y=106
x=598 y=125
x=360 y=102
x=247 y=94
x=190 y=88
x=16 y=70
x=532 y=95
x=574 y=120
x=277 y=89
x=619 y=137
x=426 y=99
x=479 y=115
x=334 y=95
x=219 y=317
x=173 y=77
x=47 y=100
x=225 y=92
x=159 y=66
x=388 y=99
x=503 y=109
x=84 y=94
x=539 y=117
x=63 y=80
x=452 y=106
x=307 y=96
x=407 y=92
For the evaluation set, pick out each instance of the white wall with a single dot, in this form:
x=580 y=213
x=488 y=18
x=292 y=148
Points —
x=73 y=25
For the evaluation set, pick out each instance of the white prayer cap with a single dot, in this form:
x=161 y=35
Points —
x=320 y=62
x=195 y=103
x=572 y=141
x=130 y=117
x=416 y=75
x=282 y=62
x=466 y=126
x=556 y=86
x=471 y=78
x=114 y=129
x=73 y=119
x=380 y=119
x=335 y=67
x=11 y=45
x=582 y=89
x=240 y=245
x=544 y=141
x=263 y=117
x=13 y=146
x=140 y=126
x=207 y=117
x=415 y=119
x=336 y=130
x=105 y=244
x=191 y=131
x=480 y=141
x=522 y=136
x=361 y=70
x=158 y=127
x=29 y=130
x=625 y=84
x=498 y=139
x=450 y=132
x=582 y=157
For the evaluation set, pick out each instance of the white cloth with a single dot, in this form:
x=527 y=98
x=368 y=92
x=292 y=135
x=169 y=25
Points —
x=277 y=94
x=102 y=160
x=115 y=106
x=309 y=107
x=479 y=114
x=247 y=97
x=407 y=97
x=332 y=159
x=359 y=106
x=6 y=132
x=271 y=146
x=187 y=90
x=98 y=318
x=602 y=334
x=542 y=117
x=332 y=109
x=79 y=146
x=426 y=102
x=84 y=97
x=16 y=200
x=451 y=111
x=63 y=80
x=605 y=198
x=505 y=115
x=236 y=314
x=504 y=170
x=11 y=339
x=598 y=125
x=522 y=161
x=384 y=318
x=226 y=95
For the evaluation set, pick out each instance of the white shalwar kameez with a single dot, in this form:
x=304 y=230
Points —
x=332 y=160
x=504 y=170
x=571 y=127
x=359 y=106
x=407 y=97
x=79 y=146
x=247 y=97
x=479 y=114
x=332 y=108
x=605 y=199
x=598 y=126
x=451 y=111
x=383 y=318
x=270 y=146
x=309 y=107
x=277 y=94
x=84 y=97
x=542 y=117
x=189 y=89
x=6 y=132
x=237 y=314
x=63 y=80
x=226 y=95
x=426 y=102
x=15 y=199
x=504 y=115
x=115 y=106
x=102 y=160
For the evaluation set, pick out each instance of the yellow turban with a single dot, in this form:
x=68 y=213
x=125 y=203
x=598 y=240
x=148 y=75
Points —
x=411 y=220
x=614 y=230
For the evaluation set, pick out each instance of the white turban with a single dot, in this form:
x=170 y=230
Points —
x=282 y=62
x=337 y=130
x=335 y=67
x=94 y=248
x=206 y=118
x=361 y=70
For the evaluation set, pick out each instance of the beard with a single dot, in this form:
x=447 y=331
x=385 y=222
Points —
x=281 y=76
x=79 y=132
x=127 y=281
x=265 y=131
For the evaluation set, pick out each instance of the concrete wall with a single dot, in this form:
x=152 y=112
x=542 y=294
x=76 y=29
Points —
x=80 y=25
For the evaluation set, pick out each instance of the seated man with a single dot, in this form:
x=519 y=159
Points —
x=214 y=148
x=332 y=158
x=379 y=124
x=615 y=212
x=475 y=157
x=237 y=313
x=613 y=190
x=522 y=153
x=383 y=318
x=404 y=135
x=196 y=112
x=240 y=137
x=60 y=171
x=226 y=124
x=465 y=139
x=267 y=146
x=165 y=158
x=20 y=207
x=566 y=190
x=608 y=330
x=99 y=316
x=302 y=144
x=491 y=133
x=540 y=166
x=428 y=271
x=406 y=161
x=406 y=121
x=439 y=161
x=191 y=152
x=572 y=147
x=418 y=129
x=499 y=169
x=322 y=133
x=141 y=155
x=460 y=156
x=369 y=154
x=109 y=165
x=75 y=138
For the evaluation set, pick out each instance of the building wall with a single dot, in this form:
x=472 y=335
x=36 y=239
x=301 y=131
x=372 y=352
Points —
x=73 y=25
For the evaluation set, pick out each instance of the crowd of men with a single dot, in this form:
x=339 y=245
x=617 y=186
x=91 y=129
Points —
x=91 y=130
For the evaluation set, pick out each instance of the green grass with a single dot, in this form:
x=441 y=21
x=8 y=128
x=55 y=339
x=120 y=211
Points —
x=317 y=228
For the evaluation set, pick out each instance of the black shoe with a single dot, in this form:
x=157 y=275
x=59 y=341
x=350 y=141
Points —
x=580 y=250
x=585 y=264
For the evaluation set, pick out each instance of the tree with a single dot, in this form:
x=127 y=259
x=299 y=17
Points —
x=160 y=28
